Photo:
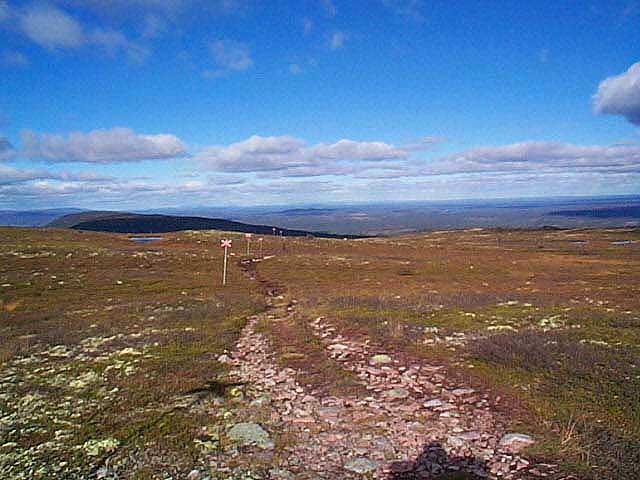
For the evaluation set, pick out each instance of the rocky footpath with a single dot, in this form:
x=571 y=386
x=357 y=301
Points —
x=414 y=424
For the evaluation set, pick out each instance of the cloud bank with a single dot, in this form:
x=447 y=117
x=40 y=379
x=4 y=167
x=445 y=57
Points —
x=10 y=176
x=541 y=155
x=101 y=146
x=286 y=153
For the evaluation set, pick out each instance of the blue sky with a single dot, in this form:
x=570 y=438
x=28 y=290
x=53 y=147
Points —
x=157 y=103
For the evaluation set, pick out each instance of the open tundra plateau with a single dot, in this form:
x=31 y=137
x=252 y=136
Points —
x=460 y=354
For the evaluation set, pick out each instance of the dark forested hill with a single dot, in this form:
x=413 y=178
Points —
x=136 y=223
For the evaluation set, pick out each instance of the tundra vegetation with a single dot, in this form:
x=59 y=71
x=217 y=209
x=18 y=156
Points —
x=108 y=344
x=548 y=320
x=103 y=340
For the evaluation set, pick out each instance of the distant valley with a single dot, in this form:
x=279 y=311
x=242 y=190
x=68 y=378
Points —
x=351 y=219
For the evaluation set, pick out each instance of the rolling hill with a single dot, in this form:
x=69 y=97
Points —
x=119 y=222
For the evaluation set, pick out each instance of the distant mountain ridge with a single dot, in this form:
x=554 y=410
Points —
x=632 y=211
x=33 y=218
x=121 y=222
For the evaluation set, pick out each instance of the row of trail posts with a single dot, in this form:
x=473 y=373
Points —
x=226 y=243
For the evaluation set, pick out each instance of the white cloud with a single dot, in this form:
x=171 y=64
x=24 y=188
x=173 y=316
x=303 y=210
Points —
x=43 y=189
x=620 y=95
x=539 y=156
x=259 y=153
x=337 y=40
x=10 y=176
x=295 y=69
x=101 y=146
x=289 y=166
x=52 y=28
x=11 y=58
x=230 y=56
x=352 y=150
x=254 y=154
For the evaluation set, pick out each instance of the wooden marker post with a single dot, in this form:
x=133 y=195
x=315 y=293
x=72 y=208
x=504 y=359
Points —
x=226 y=244
x=248 y=237
x=260 y=240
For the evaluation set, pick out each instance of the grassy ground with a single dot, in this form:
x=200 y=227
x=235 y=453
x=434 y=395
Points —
x=104 y=342
x=552 y=318
x=107 y=344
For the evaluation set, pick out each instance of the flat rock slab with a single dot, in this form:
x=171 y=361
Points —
x=463 y=392
x=250 y=434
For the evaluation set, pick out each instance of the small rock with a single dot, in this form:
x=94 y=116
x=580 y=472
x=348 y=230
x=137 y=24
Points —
x=380 y=359
x=456 y=441
x=360 y=465
x=278 y=474
x=397 y=394
x=260 y=401
x=514 y=442
x=436 y=402
x=470 y=435
x=193 y=475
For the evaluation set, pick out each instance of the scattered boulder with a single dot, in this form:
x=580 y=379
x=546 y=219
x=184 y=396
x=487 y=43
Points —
x=514 y=442
x=360 y=465
x=380 y=359
x=455 y=441
x=436 y=402
x=248 y=433
x=397 y=394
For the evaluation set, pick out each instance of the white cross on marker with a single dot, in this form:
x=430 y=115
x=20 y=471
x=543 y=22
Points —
x=226 y=244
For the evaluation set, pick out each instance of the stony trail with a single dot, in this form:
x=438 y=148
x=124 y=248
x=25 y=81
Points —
x=414 y=423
